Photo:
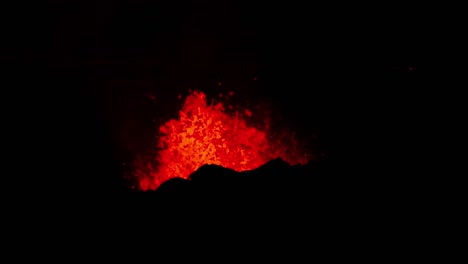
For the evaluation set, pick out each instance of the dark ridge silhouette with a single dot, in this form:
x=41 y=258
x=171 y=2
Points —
x=220 y=182
x=276 y=202
x=274 y=187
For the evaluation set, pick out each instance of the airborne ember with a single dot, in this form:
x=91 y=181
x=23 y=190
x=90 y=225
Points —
x=209 y=134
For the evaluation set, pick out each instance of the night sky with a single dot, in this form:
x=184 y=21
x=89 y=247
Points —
x=84 y=73
x=85 y=83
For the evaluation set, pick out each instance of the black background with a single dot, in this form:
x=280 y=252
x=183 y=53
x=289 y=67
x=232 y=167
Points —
x=80 y=75
x=77 y=88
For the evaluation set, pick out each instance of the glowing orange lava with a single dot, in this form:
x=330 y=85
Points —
x=207 y=134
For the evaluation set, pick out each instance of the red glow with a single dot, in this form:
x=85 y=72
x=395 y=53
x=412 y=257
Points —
x=207 y=134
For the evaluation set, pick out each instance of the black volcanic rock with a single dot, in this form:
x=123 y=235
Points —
x=276 y=180
x=212 y=173
x=275 y=187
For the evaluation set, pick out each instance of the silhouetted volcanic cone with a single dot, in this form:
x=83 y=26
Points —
x=215 y=180
x=276 y=185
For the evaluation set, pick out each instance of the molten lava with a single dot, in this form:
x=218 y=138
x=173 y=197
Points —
x=208 y=134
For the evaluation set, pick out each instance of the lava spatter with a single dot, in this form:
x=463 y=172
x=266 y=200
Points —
x=208 y=134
